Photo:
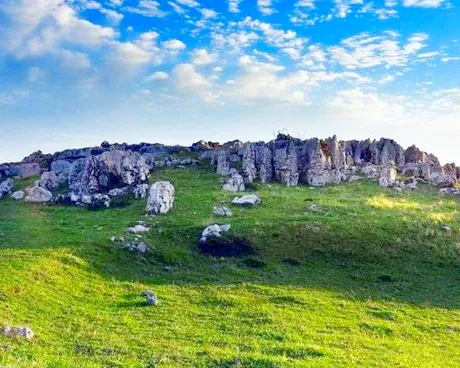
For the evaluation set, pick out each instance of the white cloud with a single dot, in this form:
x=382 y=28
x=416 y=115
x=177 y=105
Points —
x=428 y=55
x=189 y=3
x=74 y=60
x=233 y=6
x=306 y=4
x=208 y=13
x=178 y=9
x=202 y=57
x=449 y=58
x=423 y=3
x=343 y=7
x=266 y=7
x=147 y=8
x=42 y=26
x=187 y=77
x=174 y=46
x=157 y=76
x=365 y=51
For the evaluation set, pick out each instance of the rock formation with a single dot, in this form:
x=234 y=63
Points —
x=161 y=198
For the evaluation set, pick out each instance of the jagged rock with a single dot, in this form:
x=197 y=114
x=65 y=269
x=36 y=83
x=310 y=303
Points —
x=235 y=183
x=248 y=165
x=161 y=198
x=223 y=166
x=214 y=231
x=442 y=180
x=61 y=167
x=6 y=187
x=109 y=170
x=18 y=195
x=25 y=332
x=140 y=191
x=38 y=195
x=371 y=171
x=139 y=248
x=264 y=162
x=25 y=170
x=223 y=211
x=247 y=200
x=388 y=176
x=48 y=181
x=285 y=164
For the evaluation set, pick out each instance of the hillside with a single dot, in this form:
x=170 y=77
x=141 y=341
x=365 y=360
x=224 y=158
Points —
x=342 y=276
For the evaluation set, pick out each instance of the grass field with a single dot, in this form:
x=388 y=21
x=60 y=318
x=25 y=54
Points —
x=378 y=283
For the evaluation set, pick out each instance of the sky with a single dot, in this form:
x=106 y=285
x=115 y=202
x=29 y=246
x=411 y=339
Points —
x=74 y=73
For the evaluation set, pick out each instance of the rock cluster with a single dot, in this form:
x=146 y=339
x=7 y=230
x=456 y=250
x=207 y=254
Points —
x=317 y=162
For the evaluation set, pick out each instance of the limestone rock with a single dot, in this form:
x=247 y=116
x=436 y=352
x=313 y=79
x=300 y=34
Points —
x=139 y=229
x=161 y=198
x=117 y=192
x=388 y=176
x=140 y=191
x=235 y=183
x=48 y=181
x=18 y=195
x=223 y=165
x=223 y=211
x=214 y=231
x=247 y=200
x=6 y=187
x=38 y=195
x=61 y=167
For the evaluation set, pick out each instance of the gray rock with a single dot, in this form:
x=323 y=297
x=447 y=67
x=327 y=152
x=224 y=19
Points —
x=6 y=187
x=18 y=195
x=61 y=167
x=235 y=183
x=48 y=181
x=140 y=191
x=139 y=229
x=25 y=332
x=38 y=195
x=388 y=176
x=442 y=180
x=223 y=211
x=161 y=198
x=214 y=231
x=117 y=192
x=247 y=200
x=223 y=165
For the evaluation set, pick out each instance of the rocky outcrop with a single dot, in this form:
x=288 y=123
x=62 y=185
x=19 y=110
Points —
x=161 y=198
x=316 y=162
x=48 y=181
x=388 y=176
x=109 y=170
x=25 y=170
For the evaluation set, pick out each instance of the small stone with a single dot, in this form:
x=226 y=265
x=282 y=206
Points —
x=247 y=200
x=19 y=332
x=152 y=300
x=18 y=195
x=223 y=211
x=138 y=229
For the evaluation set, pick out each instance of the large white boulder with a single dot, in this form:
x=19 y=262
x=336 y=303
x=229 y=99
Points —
x=161 y=198
x=6 y=187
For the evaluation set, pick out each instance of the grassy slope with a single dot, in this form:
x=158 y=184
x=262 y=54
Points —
x=378 y=285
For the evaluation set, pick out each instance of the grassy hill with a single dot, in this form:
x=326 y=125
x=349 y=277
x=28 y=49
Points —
x=378 y=284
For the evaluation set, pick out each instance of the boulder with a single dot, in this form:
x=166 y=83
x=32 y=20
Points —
x=161 y=198
x=61 y=167
x=223 y=211
x=38 y=195
x=48 y=181
x=214 y=231
x=247 y=200
x=223 y=165
x=26 y=170
x=140 y=191
x=388 y=176
x=18 y=195
x=6 y=187
x=235 y=183
x=117 y=192
x=442 y=180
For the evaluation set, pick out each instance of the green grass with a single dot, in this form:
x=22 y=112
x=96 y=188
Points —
x=378 y=283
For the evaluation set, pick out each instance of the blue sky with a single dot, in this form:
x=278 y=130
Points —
x=76 y=72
